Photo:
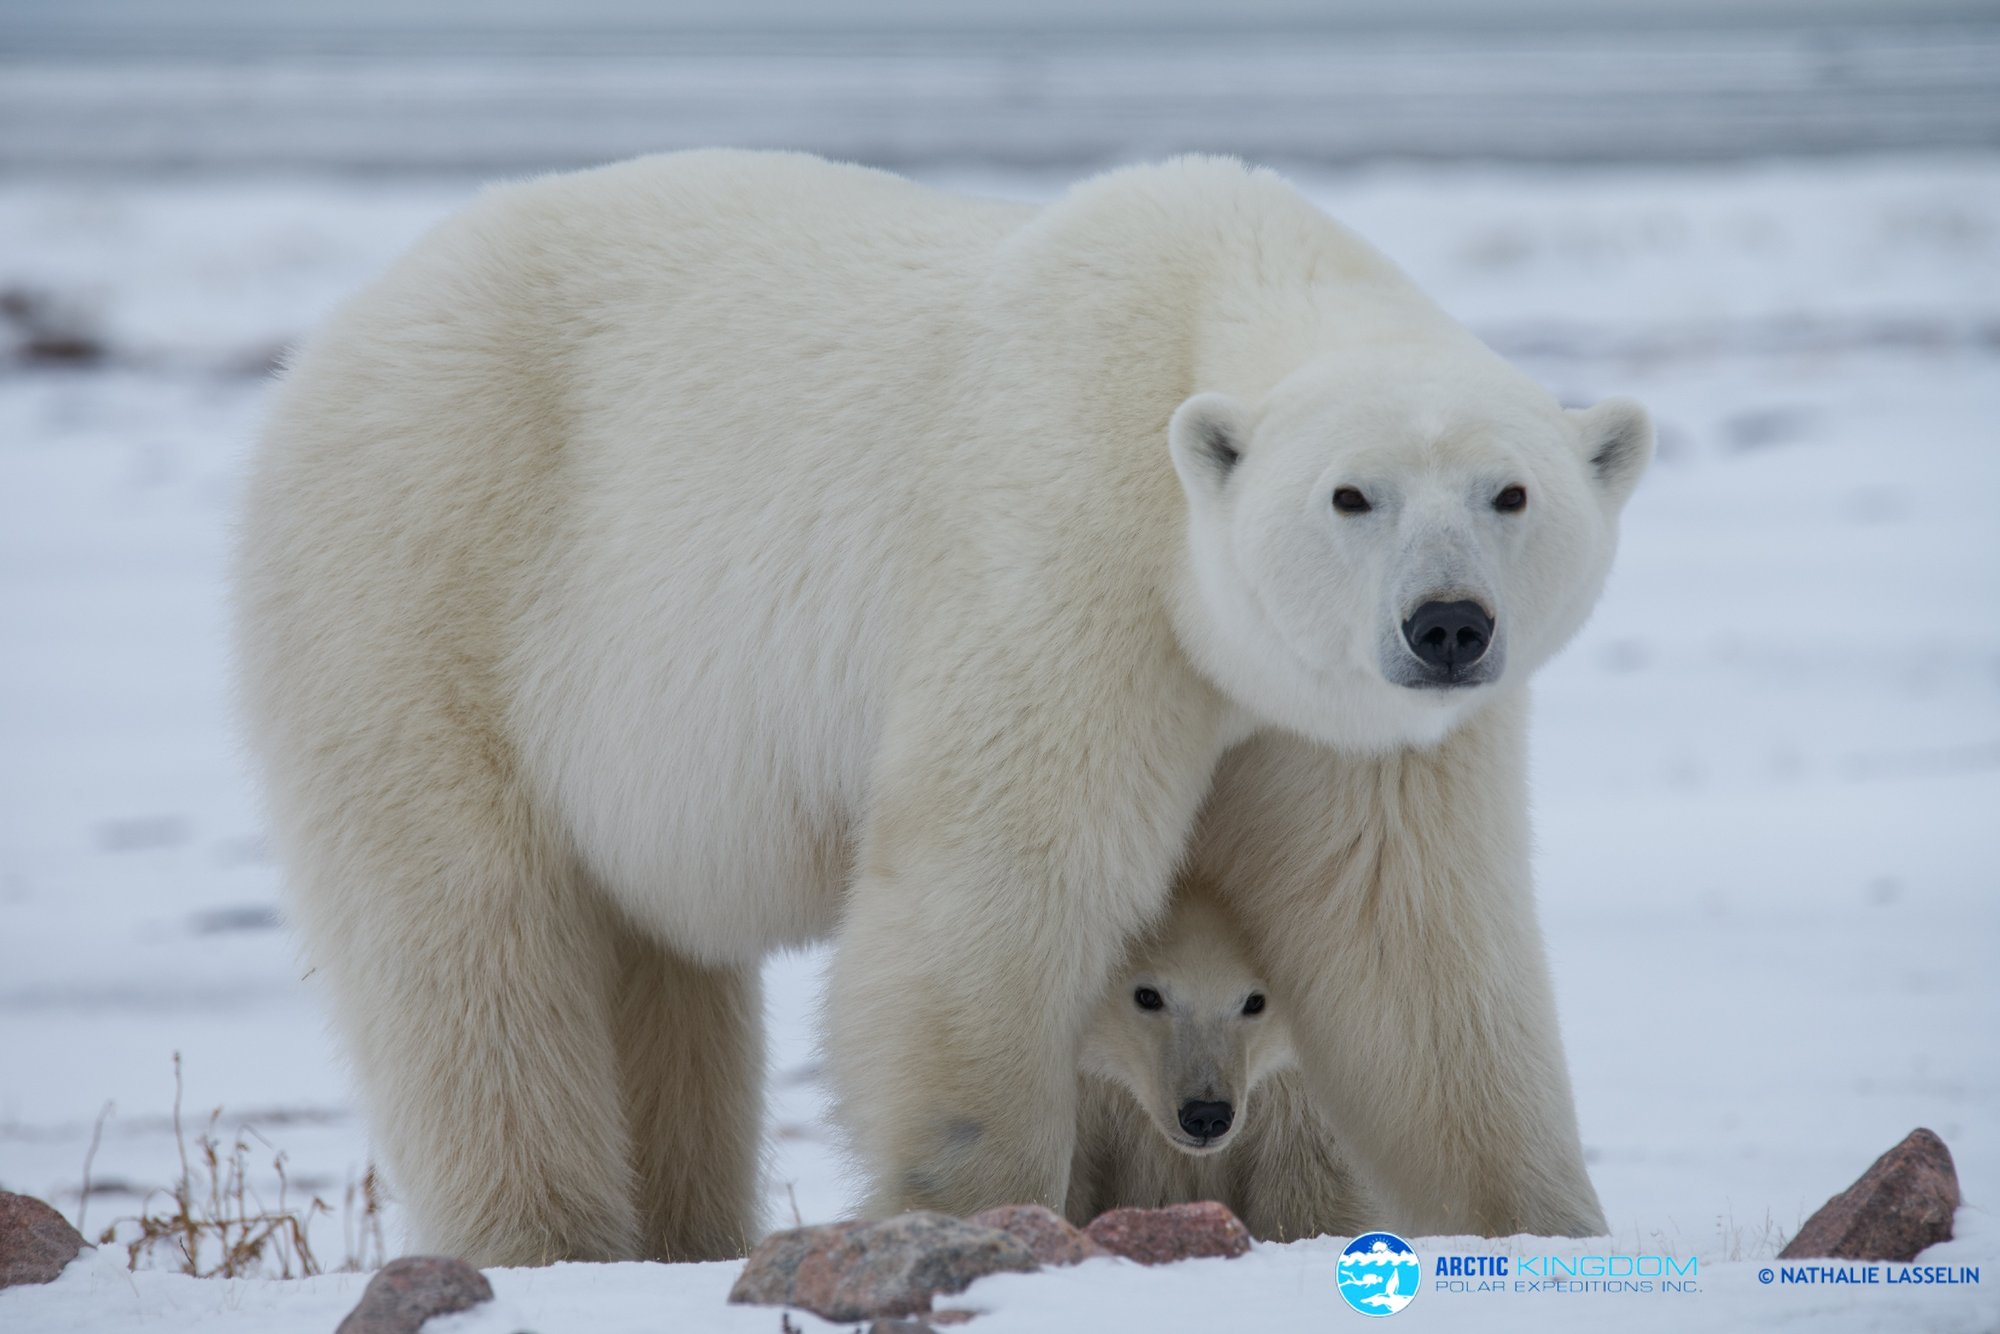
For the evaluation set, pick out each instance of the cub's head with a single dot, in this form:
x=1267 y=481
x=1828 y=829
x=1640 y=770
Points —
x=1188 y=1028
x=1386 y=539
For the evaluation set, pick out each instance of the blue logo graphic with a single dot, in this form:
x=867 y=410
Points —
x=1379 y=1273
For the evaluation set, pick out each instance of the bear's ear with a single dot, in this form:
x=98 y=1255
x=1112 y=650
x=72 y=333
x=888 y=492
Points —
x=1617 y=441
x=1206 y=436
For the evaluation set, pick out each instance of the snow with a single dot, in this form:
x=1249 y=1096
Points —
x=1272 y=1288
x=1765 y=775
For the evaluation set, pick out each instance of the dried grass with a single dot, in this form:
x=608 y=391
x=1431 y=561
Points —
x=212 y=1223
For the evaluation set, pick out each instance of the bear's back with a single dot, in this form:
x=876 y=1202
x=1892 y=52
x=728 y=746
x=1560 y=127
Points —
x=767 y=231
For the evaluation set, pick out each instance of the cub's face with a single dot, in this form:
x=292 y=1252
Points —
x=1380 y=545
x=1189 y=1029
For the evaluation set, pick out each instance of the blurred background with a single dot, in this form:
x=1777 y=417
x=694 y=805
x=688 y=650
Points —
x=1766 y=776
x=369 y=86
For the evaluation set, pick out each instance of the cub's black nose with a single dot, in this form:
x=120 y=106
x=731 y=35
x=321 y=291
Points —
x=1449 y=635
x=1205 y=1120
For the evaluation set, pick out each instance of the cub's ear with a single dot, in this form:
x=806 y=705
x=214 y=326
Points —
x=1616 y=437
x=1207 y=436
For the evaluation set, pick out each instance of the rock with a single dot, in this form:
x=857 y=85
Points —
x=47 y=330
x=772 y=1271
x=852 y=1271
x=1049 y=1237
x=36 y=1242
x=405 y=1293
x=919 y=1324
x=1899 y=1206
x=1177 y=1232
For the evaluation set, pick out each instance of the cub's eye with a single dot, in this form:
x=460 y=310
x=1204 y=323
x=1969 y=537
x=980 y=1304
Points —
x=1147 y=999
x=1255 y=1004
x=1512 y=500
x=1346 y=500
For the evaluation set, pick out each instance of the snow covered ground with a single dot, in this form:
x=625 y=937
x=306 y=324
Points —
x=1767 y=775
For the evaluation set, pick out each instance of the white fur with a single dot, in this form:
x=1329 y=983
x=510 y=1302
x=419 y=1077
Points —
x=672 y=562
x=1278 y=1166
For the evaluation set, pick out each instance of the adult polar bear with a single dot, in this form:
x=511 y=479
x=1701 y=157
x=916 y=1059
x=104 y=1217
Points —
x=711 y=553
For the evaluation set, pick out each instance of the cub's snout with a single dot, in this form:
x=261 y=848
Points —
x=1206 y=1120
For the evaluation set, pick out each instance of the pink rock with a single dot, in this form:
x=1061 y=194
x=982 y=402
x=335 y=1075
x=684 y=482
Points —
x=852 y=1271
x=1177 y=1232
x=772 y=1271
x=919 y=1324
x=36 y=1242
x=405 y=1293
x=1900 y=1205
x=1050 y=1237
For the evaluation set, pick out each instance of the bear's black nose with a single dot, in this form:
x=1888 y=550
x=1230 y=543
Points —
x=1205 y=1120
x=1449 y=635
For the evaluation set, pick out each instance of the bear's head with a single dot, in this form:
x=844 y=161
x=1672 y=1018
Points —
x=1386 y=539
x=1188 y=1028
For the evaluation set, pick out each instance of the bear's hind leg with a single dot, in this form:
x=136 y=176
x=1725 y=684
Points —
x=691 y=1057
x=475 y=997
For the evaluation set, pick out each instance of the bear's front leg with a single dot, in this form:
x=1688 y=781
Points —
x=1001 y=874
x=1389 y=900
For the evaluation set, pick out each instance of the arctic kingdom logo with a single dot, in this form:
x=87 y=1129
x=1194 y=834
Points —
x=1379 y=1273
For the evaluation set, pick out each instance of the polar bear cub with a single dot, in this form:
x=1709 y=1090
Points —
x=1189 y=1091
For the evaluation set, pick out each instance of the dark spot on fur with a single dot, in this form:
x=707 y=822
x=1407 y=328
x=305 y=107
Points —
x=957 y=1139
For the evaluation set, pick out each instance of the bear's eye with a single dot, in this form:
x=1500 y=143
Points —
x=1346 y=500
x=1512 y=500
x=1147 y=999
x=1255 y=1004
